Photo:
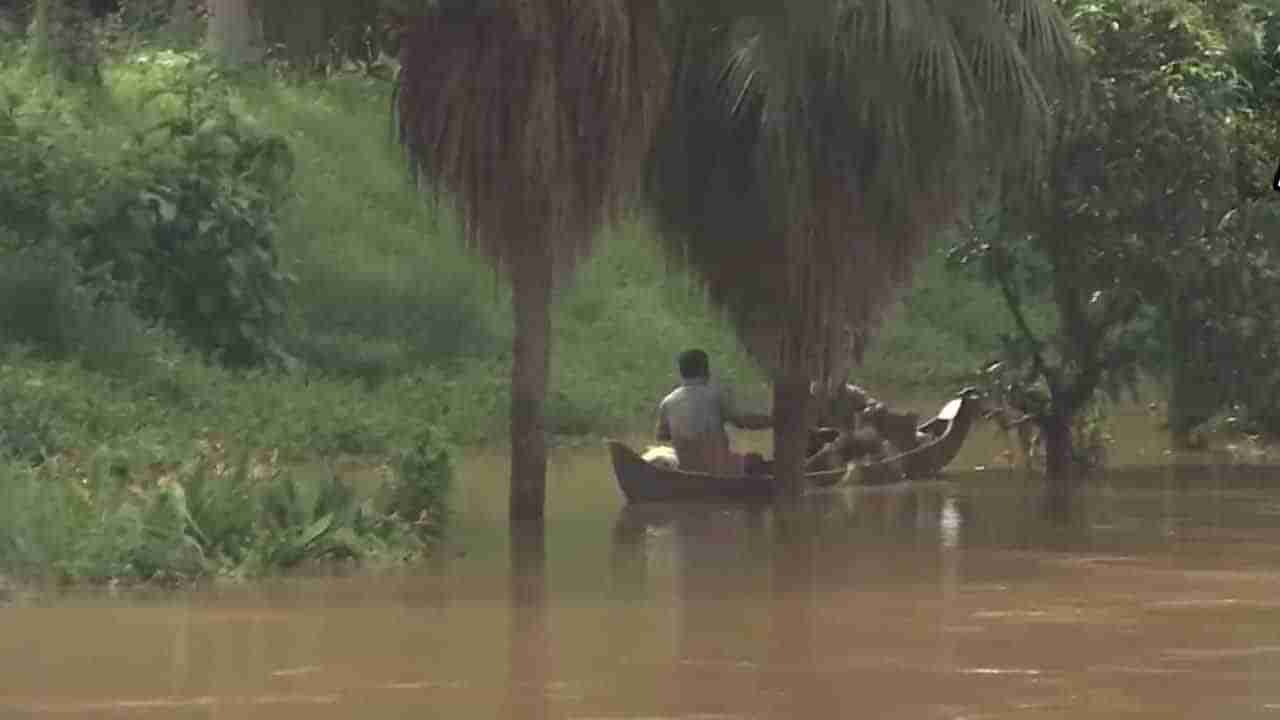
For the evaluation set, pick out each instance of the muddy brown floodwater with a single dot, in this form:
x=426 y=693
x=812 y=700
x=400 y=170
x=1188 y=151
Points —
x=1152 y=594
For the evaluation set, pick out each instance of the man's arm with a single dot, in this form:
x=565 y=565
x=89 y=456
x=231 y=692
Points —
x=663 y=431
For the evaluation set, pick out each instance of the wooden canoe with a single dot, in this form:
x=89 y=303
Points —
x=948 y=430
x=642 y=482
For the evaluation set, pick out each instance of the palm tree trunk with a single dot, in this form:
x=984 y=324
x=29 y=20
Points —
x=530 y=369
x=529 y=650
x=792 y=620
x=790 y=431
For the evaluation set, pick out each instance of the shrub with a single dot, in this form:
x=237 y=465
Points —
x=193 y=227
x=120 y=518
x=47 y=303
x=419 y=492
x=179 y=223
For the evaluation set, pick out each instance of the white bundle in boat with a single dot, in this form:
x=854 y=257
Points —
x=662 y=456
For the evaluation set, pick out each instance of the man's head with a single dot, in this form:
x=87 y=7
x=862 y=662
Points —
x=694 y=365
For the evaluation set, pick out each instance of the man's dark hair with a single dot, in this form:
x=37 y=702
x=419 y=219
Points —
x=694 y=364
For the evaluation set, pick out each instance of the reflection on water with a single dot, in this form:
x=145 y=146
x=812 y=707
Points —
x=1153 y=593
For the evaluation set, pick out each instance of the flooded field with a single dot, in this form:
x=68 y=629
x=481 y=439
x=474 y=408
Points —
x=1153 y=594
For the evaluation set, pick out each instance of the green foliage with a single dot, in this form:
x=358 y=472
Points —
x=1228 y=326
x=419 y=492
x=201 y=215
x=174 y=398
x=384 y=286
x=45 y=179
x=948 y=325
x=179 y=221
x=47 y=302
x=1021 y=396
x=1130 y=236
x=305 y=520
x=221 y=507
x=120 y=519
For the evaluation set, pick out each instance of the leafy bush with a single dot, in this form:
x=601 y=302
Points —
x=120 y=518
x=302 y=521
x=48 y=303
x=198 y=200
x=419 y=492
x=180 y=222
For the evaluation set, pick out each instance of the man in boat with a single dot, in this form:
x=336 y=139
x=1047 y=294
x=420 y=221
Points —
x=853 y=425
x=840 y=405
x=692 y=420
x=845 y=446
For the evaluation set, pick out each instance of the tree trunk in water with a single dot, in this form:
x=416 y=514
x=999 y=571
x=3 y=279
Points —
x=1193 y=387
x=235 y=37
x=799 y=691
x=530 y=369
x=1055 y=429
x=790 y=432
x=529 y=650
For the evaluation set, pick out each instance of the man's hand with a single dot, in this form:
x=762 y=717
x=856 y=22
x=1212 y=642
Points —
x=663 y=430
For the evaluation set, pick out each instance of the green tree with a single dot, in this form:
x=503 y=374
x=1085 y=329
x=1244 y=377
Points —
x=1235 y=284
x=1137 y=240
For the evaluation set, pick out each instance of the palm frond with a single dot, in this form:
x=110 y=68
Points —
x=533 y=118
x=809 y=151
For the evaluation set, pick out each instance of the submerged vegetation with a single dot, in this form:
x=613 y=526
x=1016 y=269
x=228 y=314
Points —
x=110 y=517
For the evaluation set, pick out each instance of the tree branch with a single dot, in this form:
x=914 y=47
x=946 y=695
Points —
x=1014 y=302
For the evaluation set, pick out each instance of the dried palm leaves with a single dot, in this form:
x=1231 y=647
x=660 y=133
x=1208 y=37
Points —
x=811 y=147
x=534 y=117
